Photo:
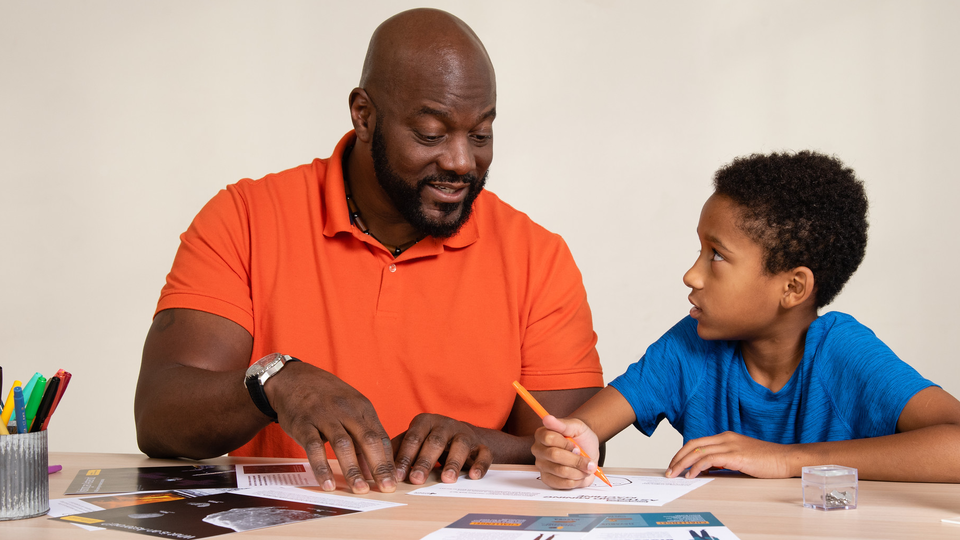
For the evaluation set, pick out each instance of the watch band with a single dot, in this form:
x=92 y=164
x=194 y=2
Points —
x=258 y=374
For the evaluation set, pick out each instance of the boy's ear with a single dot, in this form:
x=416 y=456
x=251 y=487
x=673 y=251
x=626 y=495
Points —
x=798 y=287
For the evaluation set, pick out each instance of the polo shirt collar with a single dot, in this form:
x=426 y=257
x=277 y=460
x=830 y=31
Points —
x=335 y=213
x=337 y=216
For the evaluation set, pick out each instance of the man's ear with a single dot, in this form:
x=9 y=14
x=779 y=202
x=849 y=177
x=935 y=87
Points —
x=363 y=114
x=799 y=286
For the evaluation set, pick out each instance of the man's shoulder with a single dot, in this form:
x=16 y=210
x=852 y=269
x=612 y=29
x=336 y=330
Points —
x=287 y=180
x=309 y=176
x=496 y=217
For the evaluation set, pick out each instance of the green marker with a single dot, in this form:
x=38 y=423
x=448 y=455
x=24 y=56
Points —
x=33 y=403
x=28 y=389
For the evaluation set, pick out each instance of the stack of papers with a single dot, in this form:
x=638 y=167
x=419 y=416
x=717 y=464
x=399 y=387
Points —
x=200 y=501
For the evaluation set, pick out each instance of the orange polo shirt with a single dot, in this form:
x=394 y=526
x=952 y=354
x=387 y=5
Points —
x=443 y=328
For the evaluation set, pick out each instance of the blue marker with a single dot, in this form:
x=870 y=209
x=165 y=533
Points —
x=18 y=410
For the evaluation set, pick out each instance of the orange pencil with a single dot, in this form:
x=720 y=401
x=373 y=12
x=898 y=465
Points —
x=541 y=412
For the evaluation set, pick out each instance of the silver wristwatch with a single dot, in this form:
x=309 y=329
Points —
x=257 y=375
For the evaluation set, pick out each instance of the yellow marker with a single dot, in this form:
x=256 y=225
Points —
x=541 y=412
x=8 y=406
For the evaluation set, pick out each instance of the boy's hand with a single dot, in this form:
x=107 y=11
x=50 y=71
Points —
x=734 y=452
x=560 y=465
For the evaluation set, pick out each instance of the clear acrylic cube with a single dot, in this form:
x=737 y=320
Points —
x=829 y=487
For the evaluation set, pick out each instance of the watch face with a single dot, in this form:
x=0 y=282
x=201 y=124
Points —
x=263 y=364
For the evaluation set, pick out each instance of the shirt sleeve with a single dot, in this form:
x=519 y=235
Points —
x=559 y=345
x=211 y=271
x=868 y=383
x=658 y=385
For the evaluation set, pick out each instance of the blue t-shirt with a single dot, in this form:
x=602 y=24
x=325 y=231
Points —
x=849 y=385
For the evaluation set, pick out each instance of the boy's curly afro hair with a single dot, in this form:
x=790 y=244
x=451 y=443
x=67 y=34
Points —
x=804 y=209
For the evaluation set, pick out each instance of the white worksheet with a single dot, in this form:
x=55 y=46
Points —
x=527 y=486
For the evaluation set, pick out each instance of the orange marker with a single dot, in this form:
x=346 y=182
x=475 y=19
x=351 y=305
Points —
x=541 y=412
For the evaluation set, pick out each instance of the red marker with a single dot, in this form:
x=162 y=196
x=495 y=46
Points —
x=64 y=380
x=541 y=412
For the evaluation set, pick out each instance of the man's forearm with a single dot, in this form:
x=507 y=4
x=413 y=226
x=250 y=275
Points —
x=507 y=448
x=195 y=413
x=922 y=455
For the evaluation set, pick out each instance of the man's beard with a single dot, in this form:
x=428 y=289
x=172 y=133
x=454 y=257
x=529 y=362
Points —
x=408 y=200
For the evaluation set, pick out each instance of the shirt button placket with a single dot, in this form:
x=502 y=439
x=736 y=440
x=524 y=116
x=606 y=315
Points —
x=389 y=291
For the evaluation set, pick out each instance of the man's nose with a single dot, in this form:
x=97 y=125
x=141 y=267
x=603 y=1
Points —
x=458 y=157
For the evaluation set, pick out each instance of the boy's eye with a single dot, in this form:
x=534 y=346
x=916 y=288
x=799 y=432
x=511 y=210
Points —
x=716 y=256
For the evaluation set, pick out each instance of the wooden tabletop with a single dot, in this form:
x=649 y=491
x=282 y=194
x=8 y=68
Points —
x=753 y=509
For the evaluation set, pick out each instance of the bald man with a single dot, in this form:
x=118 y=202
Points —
x=379 y=301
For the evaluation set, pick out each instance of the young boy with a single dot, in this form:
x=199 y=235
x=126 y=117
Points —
x=754 y=380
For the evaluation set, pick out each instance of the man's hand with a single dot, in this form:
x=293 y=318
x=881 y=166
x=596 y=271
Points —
x=428 y=438
x=734 y=452
x=313 y=406
x=561 y=465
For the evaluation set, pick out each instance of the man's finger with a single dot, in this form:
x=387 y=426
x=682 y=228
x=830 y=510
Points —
x=407 y=446
x=317 y=456
x=481 y=463
x=457 y=456
x=376 y=450
x=429 y=453
x=342 y=446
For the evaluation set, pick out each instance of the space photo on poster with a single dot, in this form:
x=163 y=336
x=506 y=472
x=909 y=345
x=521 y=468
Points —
x=205 y=517
x=153 y=479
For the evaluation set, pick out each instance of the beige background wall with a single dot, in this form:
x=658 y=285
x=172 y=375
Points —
x=119 y=119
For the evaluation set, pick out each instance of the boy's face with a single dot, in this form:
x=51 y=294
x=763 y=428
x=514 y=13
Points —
x=733 y=298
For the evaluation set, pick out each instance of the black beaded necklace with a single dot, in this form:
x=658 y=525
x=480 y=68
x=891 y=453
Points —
x=357 y=220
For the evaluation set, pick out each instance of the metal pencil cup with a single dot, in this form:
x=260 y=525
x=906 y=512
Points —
x=24 y=486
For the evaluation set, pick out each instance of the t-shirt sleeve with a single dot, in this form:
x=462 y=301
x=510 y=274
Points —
x=658 y=385
x=558 y=347
x=211 y=271
x=868 y=383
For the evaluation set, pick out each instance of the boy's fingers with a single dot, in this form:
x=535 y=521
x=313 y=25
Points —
x=551 y=439
x=568 y=427
x=560 y=476
x=552 y=422
x=690 y=454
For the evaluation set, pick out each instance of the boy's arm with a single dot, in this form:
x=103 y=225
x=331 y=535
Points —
x=923 y=450
x=596 y=421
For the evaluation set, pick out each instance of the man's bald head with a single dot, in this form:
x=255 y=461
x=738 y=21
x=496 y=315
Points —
x=423 y=44
x=423 y=118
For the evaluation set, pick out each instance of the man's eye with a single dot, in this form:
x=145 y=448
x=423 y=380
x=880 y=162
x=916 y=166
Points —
x=429 y=137
x=716 y=256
